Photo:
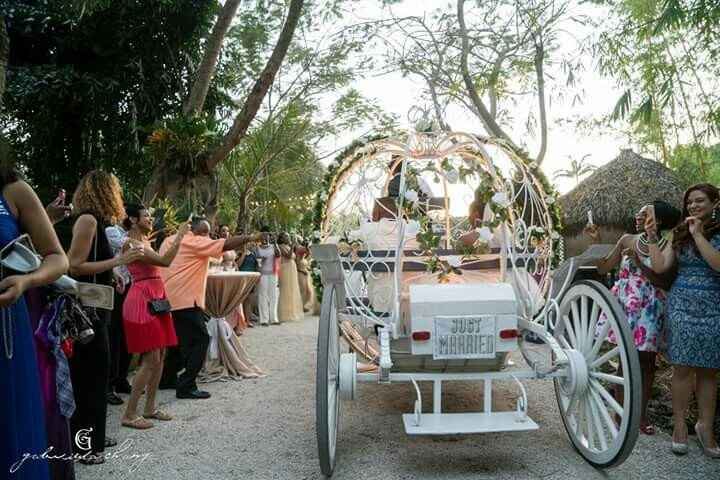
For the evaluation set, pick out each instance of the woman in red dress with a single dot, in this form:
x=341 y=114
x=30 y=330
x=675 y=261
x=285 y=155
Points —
x=146 y=333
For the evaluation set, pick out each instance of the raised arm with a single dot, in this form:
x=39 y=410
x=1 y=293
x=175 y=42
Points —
x=26 y=206
x=153 y=258
x=613 y=258
x=660 y=260
x=236 y=242
x=84 y=232
x=706 y=249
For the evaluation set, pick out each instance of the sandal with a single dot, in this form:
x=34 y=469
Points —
x=648 y=429
x=96 y=459
x=158 y=415
x=139 y=423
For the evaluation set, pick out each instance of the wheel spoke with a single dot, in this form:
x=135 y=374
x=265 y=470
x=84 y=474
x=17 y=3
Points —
x=604 y=414
x=570 y=332
x=594 y=316
x=577 y=325
x=600 y=338
x=607 y=397
x=588 y=423
x=605 y=358
x=596 y=419
x=608 y=378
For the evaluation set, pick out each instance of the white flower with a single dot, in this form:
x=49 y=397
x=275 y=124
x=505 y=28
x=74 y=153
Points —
x=411 y=196
x=454 y=261
x=485 y=234
x=501 y=199
x=549 y=200
x=554 y=235
x=316 y=234
x=316 y=271
x=452 y=176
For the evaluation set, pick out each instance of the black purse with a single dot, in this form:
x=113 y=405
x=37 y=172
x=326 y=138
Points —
x=159 y=306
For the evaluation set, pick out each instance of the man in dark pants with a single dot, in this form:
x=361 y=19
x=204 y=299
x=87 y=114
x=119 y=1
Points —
x=119 y=356
x=185 y=284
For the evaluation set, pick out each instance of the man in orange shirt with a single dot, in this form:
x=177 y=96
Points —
x=185 y=284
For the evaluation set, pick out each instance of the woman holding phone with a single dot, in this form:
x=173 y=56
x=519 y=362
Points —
x=640 y=292
x=148 y=331
x=693 y=317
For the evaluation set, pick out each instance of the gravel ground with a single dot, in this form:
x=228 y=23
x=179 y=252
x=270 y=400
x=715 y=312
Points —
x=265 y=429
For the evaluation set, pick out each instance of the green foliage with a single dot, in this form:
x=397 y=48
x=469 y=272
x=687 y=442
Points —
x=181 y=143
x=689 y=161
x=81 y=87
x=272 y=175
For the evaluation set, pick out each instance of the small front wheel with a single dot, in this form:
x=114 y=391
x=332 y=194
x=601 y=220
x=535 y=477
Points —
x=327 y=400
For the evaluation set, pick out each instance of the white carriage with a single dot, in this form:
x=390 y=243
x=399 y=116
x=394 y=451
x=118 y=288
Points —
x=420 y=294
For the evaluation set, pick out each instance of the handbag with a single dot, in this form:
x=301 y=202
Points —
x=159 y=306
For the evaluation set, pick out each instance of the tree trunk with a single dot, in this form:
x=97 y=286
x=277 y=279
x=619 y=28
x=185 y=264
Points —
x=4 y=55
x=164 y=184
x=206 y=70
x=539 y=71
x=490 y=124
x=260 y=89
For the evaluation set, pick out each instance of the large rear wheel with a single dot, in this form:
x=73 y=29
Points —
x=600 y=398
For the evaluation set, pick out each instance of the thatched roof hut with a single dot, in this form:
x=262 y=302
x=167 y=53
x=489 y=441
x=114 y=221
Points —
x=614 y=193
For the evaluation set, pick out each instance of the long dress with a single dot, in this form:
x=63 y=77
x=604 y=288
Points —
x=644 y=306
x=693 y=320
x=22 y=413
x=144 y=331
x=290 y=306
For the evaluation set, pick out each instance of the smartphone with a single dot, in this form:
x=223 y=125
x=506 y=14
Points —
x=590 y=217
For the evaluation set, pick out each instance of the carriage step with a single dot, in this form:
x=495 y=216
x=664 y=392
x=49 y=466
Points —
x=466 y=423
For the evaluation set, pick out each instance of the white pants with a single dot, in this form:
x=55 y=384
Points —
x=268 y=299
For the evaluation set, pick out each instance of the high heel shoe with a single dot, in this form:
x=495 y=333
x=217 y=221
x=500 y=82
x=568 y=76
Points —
x=708 y=452
x=679 y=448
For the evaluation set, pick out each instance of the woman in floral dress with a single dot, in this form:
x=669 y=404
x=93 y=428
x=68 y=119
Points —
x=638 y=292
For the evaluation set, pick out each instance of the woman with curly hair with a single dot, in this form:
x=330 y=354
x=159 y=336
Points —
x=693 y=312
x=97 y=204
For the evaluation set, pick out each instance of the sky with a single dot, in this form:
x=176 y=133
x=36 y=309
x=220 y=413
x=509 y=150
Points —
x=397 y=95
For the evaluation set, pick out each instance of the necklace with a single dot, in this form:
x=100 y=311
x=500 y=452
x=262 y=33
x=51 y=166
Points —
x=642 y=245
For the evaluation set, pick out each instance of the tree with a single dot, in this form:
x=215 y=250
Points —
x=4 y=54
x=273 y=165
x=489 y=58
x=665 y=58
x=577 y=170
x=83 y=86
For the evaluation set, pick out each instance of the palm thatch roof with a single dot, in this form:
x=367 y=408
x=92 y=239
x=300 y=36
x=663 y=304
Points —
x=617 y=190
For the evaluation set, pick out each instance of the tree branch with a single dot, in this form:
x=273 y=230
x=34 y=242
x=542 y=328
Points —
x=539 y=71
x=262 y=85
x=490 y=124
x=206 y=71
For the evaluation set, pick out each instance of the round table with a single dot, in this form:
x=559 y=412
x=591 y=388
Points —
x=227 y=357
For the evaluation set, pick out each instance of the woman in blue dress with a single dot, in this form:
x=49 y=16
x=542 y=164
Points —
x=693 y=313
x=22 y=416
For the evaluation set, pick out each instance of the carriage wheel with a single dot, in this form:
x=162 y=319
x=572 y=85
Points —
x=593 y=331
x=327 y=401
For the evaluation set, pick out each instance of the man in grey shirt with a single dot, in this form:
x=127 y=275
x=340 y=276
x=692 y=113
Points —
x=268 y=288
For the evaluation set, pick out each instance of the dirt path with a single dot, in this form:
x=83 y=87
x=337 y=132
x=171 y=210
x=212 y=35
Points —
x=265 y=429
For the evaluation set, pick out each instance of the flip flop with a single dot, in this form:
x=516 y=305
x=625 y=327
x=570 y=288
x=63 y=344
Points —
x=139 y=423
x=158 y=415
x=648 y=429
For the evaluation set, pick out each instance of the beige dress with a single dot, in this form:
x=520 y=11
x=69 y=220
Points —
x=290 y=304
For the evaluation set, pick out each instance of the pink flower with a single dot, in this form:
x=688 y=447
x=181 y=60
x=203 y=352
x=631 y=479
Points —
x=633 y=305
x=640 y=335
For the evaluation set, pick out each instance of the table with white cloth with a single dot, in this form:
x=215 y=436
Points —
x=227 y=357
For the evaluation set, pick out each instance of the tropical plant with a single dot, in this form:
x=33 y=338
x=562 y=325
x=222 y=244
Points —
x=577 y=170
